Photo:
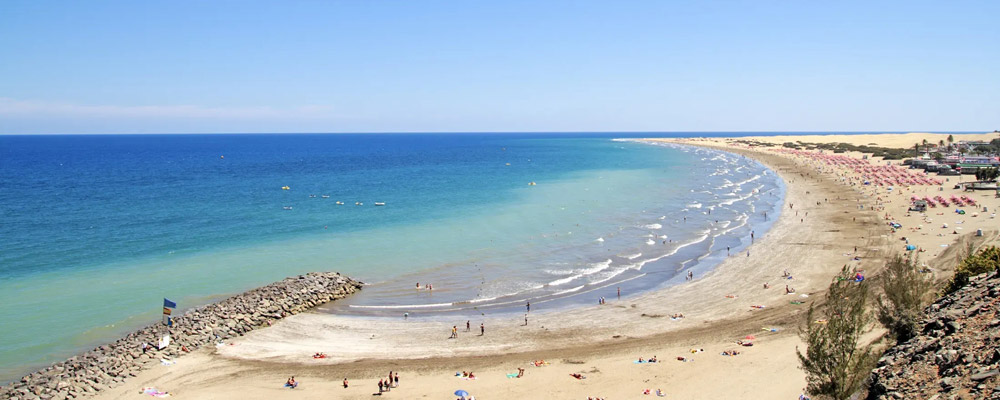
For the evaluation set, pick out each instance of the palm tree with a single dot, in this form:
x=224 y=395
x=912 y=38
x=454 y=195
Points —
x=951 y=139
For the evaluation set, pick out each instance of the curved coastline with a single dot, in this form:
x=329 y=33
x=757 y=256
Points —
x=700 y=264
x=599 y=341
x=562 y=327
x=702 y=256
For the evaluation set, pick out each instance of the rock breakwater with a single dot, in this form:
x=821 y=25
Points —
x=110 y=365
x=956 y=355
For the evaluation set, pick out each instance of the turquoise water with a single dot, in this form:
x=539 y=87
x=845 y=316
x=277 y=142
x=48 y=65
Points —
x=97 y=229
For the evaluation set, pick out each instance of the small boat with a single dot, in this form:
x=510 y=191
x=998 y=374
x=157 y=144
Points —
x=312 y=196
x=358 y=203
x=325 y=196
x=379 y=203
x=531 y=183
x=287 y=207
x=286 y=188
x=340 y=203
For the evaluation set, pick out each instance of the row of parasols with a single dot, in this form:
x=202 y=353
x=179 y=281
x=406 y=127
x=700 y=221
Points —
x=882 y=175
x=958 y=201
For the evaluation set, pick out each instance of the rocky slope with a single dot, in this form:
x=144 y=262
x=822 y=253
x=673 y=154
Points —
x=957 y=353
x=110 y=365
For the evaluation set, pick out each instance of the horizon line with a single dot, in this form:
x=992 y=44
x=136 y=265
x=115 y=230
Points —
x=808 y=132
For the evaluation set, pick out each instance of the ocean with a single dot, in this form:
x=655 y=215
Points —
x=97 y=229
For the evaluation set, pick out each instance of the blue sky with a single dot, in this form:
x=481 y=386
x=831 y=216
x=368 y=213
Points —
x=429 y=66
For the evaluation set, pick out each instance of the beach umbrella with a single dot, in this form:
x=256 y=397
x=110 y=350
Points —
x=461 y=393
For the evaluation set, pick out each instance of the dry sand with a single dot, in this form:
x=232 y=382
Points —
x=895 y=140
x=600 y=341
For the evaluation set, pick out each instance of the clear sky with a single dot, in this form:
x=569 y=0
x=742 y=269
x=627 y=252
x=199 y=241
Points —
x=429 y=66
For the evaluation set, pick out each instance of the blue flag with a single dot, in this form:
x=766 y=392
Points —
x=168 y=303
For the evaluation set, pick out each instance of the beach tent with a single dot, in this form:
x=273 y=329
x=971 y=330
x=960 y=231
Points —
x=910 y=247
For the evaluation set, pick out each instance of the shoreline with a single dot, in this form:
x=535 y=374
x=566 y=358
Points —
x=591 y=335
x=511 y=305
x=598 y=341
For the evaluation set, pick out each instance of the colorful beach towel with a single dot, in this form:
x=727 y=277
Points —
x=154 y=392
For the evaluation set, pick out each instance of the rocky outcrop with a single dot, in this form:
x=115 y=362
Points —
x=956 y=355
x=110 y=365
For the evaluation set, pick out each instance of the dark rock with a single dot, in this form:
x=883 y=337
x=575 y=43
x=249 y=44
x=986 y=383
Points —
x=984 y=375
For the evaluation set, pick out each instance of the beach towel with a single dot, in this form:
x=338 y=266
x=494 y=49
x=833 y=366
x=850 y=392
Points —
x=164 y=361
x=514 y=375
x=155 y=393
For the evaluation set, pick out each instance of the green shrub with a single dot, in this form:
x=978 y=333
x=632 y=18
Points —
x=836 y=364
x=904 y=291
x=986 y=260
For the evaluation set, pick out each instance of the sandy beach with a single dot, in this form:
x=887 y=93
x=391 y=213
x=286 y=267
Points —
x=826 y=223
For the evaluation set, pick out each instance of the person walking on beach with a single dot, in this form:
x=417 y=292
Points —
x=482 y=329
x=525 y=319
x=345 y=383
x=467 y=326
x=454 y=332
x=396 y=379
x=381 y=386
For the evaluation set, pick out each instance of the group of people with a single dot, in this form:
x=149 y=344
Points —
x=650 y=360
x=468 y=375
x=468 y=328
x=384 y=385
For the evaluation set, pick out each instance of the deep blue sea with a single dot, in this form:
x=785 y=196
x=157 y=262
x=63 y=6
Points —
x=96 y=230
